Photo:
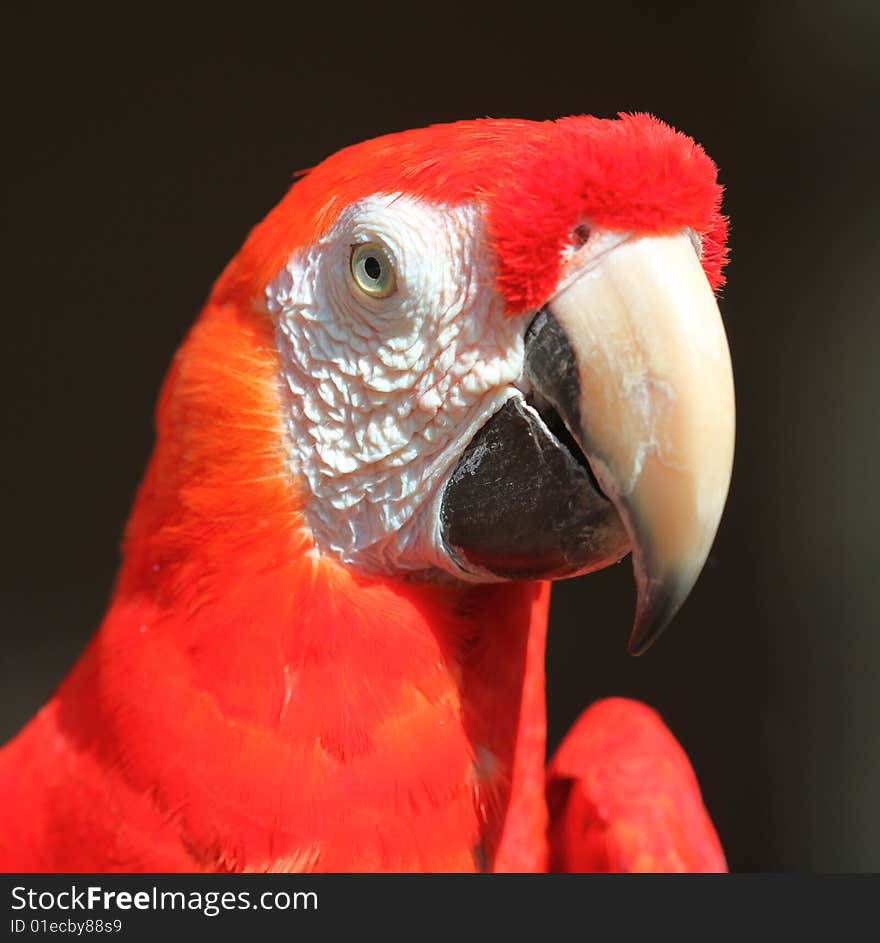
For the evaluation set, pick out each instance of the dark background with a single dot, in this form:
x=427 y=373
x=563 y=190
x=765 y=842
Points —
x=139 y=149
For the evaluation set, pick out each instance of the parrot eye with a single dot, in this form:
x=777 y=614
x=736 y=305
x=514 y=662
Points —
x=372 y=269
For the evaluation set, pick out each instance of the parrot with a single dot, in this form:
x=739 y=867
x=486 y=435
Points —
x=452 y=365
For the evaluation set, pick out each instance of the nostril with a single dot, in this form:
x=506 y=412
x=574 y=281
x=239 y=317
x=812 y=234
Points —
x=580 y=235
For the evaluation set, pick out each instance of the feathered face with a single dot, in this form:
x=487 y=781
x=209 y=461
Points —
x=396 y=349
x=500 y=353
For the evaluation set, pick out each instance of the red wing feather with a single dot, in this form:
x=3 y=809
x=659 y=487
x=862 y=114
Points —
x=623 y=797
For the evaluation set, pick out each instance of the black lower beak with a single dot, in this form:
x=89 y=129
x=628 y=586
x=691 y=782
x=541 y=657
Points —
x=523 y=502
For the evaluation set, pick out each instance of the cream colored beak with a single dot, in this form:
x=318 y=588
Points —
x=656 y=405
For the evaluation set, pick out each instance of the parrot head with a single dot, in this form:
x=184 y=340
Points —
x=479 y=352
x=451 y=365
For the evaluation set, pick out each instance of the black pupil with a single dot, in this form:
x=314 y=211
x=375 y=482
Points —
x=372 y=267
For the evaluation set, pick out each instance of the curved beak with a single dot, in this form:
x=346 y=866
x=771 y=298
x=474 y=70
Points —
x=651 y=404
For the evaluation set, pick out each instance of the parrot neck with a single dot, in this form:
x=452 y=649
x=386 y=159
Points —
x=333 y=723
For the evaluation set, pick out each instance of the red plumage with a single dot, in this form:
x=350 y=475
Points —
x=250 y=704
x=623 y=797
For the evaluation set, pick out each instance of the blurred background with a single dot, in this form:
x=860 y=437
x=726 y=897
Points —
x=141 y=146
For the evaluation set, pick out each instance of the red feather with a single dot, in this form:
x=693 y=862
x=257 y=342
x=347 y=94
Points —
x=623 y=797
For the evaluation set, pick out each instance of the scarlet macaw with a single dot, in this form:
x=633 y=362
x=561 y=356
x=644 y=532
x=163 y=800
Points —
x=451 y=365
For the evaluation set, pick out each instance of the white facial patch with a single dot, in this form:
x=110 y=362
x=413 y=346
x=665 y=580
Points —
x=386 y=393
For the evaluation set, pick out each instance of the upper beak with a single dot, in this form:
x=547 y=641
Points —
x=650 y=403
